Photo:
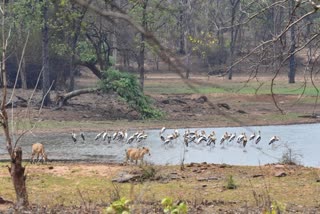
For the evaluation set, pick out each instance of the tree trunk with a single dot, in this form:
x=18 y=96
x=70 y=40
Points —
x=45 y=57
x=142 y=43
x=181 y=29
x=18 y=178
x=233 y=34
x=23 y=74
x=62 y=99
x=292 y=60
x=76 y=27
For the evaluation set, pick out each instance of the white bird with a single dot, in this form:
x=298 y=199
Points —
x=74 y=136
x=222 y=140
x=273 y=139
x=258 y=138
x=200 y=139
x=99 y=135
x=212 y=139
x=162 y=130
x=226 y=136
x=131 y=139
x=125 y=135
x=115 y=135
x=252 y=136
x=232 y=137
x=104 y=135
x=167 y=141
x=240 y=138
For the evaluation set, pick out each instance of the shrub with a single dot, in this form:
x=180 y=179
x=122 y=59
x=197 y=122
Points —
x=170 y=207
x=127 y=87
x=290 y=156
x=120 y=206
x=148 y=172
x=230 y=183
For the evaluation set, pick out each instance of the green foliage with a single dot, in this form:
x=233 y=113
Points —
x=276 y=208
x=127 y=87
x=170 y=207
x=230 y=183
x=86 y=52
x=119 y=207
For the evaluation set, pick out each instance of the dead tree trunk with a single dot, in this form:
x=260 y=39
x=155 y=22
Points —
x=18 y=178
x=62 y=99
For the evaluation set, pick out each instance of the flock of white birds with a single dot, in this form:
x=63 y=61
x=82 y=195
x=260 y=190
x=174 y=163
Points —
x=189 y=136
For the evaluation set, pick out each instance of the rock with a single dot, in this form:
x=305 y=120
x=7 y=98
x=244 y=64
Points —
x=224 y=105
x=318 y=180
x=280 y=174
x=202 y=99
x=279 y=166
x=126 y=178
x=212 y=178
x=242 y=112
x=202 y=179
x=257 y=175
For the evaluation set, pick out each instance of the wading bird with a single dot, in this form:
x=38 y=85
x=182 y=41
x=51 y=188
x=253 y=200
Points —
x=252 y=136
x=74 y=136
x=232 y=137
x=99 y=135
x=273 y=139
x=82 y=136
x=162 y=130
x=258 y=137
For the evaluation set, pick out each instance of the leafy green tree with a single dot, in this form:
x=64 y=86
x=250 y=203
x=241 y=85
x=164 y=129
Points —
x=127 y=87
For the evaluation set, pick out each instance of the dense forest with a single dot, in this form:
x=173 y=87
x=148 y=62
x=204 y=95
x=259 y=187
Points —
x=57 y=38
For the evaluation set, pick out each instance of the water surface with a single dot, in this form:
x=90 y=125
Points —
x=302 y=139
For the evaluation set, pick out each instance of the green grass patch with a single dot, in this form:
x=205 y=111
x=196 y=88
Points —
x=205 y=87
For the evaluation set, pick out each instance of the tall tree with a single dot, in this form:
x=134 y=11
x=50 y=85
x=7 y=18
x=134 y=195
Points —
x=45 y=56
x=292 y=59
x=144 y=4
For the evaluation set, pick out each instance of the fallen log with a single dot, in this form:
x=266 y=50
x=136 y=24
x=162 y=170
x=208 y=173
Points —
x=61 y=99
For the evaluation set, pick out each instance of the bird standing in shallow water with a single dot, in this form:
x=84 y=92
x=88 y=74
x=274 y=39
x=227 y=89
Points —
x=258 y=138
x=252 y=136
x=232 y=137
x=82 y=136
x=99 y=135
x=74 y=136
x=273 y=139
x=244 y=140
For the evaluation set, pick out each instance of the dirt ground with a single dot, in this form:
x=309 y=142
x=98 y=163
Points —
x=180 y=110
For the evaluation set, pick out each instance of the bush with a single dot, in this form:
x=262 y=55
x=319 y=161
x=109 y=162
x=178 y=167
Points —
x=127 y=87
x=170 y=207
x=230 y=183
x=290 y=156
x=119 y=207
